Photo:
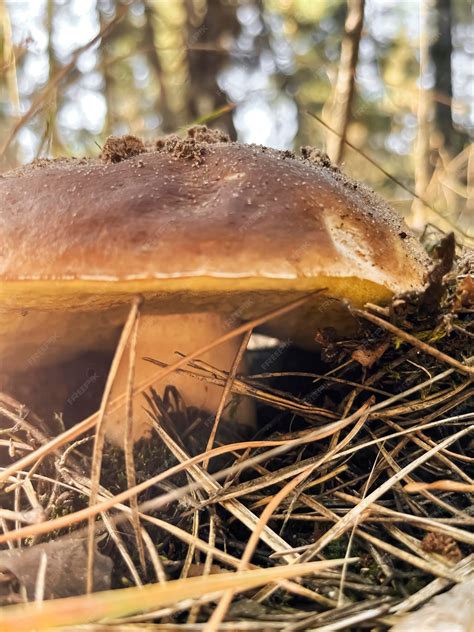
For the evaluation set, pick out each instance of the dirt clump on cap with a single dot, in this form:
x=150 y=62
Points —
x=317 y=157
x=193 y=147
x=118 y=148
x=186 y=148
x=203 y=134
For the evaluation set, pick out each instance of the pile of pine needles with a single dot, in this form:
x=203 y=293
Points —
x=350 y=507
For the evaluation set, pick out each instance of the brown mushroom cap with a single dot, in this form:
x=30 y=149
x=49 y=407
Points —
x=222 y=230
x=190 y=224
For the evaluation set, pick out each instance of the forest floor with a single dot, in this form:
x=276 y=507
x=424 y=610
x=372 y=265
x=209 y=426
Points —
x=356 y=491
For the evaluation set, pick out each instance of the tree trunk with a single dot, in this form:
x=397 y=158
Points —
x=423 y=169
x=210 y=34
x=441 y=51
x=344 y=91
x=109 y=91
x=9 y=62
x=50 y=143
x=151 y=42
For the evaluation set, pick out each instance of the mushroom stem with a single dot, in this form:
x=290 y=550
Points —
x=161 y=337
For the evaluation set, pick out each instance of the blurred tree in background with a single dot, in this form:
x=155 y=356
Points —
x=395 y=78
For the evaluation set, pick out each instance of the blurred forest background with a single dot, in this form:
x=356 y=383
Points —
x=393 y=77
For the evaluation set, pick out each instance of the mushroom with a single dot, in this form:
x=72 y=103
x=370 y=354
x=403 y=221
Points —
x=209 y=232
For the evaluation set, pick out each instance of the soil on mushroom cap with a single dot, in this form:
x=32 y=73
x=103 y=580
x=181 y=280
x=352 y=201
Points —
x=193 y=147
x=118 y=148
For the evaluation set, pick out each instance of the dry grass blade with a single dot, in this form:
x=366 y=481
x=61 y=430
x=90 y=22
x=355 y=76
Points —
x=430 y=524
x=118 y=540
x=128 y=442
x=123 y=602
x=100 y=435
x=227 y=390
x=342 y=598
x=368 y=612
x=445 y=485
x=424 y=442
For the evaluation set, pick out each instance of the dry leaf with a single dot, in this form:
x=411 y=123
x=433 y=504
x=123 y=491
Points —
x=368 y=355
x=65 y=569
